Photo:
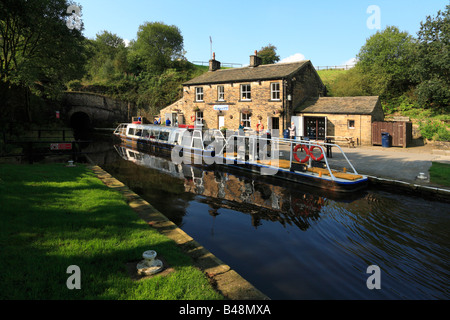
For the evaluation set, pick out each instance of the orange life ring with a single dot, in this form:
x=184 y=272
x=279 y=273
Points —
x=296 y=156
x=192 y=118
x=312 y=155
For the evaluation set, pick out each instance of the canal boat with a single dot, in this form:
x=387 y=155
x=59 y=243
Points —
x=302 y=161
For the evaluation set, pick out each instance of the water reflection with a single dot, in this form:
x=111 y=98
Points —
x=295 y=243
x=260 y=200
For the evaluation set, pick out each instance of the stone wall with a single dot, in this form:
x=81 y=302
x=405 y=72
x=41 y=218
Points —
x=260 y=106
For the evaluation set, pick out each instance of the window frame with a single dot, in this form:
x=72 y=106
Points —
x=198 y=117
x=247 y=120
x=246 y=95
x=220 y=93
x=275 y=91
x=198 y=94
x=349 y=122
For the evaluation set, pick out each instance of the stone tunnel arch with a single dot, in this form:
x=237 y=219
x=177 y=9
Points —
x=80 y=121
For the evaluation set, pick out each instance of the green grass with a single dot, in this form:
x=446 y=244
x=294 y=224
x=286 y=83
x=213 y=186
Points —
x=440 y=173
x=329 y=76
x=53 y=216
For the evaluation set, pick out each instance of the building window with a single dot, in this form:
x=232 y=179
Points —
x=199 y=117
x=246 y=119
x=246 y=92
x=220 y=93
x=351 y=124
x=199 y=94
x=275 y=91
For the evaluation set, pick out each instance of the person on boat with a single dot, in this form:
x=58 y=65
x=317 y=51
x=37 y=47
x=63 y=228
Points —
x=292 y=131
x=156 y=121
x=168 y=122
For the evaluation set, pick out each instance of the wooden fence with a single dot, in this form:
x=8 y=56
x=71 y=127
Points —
x=400 y=132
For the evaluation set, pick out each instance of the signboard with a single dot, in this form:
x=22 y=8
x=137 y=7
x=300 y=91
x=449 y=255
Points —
x=220 y=107
x=60 y=146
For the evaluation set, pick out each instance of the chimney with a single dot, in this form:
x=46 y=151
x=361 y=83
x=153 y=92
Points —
x=213 y=63
x=255 y=60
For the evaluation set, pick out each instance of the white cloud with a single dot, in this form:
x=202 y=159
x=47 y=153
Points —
x=293 y=58
x=350 y=62
x=127 y=42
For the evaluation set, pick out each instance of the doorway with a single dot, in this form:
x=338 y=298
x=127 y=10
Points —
x=315 y=127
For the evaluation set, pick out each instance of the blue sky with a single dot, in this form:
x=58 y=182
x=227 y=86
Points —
x=324 y=31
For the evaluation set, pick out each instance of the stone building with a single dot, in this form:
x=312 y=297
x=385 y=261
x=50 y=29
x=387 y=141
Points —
x=339 y=117
x=260 y=96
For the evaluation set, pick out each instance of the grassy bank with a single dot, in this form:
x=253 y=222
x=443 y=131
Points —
x=53 y=216
x=440 y=174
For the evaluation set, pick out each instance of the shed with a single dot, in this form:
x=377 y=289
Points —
x=349 y=117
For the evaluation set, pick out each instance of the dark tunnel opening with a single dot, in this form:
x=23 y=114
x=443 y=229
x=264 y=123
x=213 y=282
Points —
x=81 y=125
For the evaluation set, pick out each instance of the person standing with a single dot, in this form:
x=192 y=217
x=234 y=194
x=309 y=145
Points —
x=292 y=131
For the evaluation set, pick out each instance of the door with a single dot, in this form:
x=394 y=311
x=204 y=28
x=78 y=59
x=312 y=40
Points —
x=274 y=126
x=298 y=122
x=221 y=121
x=315 y=127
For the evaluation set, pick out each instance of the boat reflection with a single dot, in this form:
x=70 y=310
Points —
x=286 y=204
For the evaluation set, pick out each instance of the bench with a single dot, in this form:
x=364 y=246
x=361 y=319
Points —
x=347 y=140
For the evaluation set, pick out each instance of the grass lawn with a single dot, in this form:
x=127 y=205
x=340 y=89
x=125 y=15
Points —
x=440 y=174
x=53 y=216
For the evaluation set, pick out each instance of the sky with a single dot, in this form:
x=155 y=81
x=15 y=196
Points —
x=327 y=32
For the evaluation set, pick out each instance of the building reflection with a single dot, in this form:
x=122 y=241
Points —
x=243 y=193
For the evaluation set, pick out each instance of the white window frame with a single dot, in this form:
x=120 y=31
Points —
x=275 y=93
x=199 y=94
x=247 y=119
x=246 y=92
x=220 y=93
x=198 y=117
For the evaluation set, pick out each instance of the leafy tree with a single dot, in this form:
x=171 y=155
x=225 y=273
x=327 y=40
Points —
x=38 y=52
x=108 y=56
x=268 y=54
x=157 y=46
x=432 y=67
x=387 y=59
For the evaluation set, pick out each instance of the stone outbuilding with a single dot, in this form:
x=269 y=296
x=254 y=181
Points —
x=339 y=118
x=262 y=97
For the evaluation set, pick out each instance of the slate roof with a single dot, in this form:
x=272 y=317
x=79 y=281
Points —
x=261 y=72
x=339 y=105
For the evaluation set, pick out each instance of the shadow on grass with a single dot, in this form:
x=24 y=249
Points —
x=51 y=221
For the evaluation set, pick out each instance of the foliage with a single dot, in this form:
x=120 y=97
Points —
x=435 y=130
x=432 y=67
x=268 y=54
x=387 y=60
x=156 y=47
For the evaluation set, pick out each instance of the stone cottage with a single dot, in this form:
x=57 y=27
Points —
x=262 y=97
x=339 y=118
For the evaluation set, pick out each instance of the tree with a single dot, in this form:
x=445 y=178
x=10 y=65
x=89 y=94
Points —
x=387 y=59
x=157 y=46
x=432 y=66
x=108 y=56
x=268 y=54
x=38 y=52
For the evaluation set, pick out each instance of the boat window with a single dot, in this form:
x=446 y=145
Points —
x=164 y=136
x=131 y=131
x=138 y=132
x=145 y=134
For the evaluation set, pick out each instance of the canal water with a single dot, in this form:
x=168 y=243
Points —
x=293 y=242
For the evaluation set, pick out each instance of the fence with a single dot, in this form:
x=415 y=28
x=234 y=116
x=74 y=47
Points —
x=400 y=132
x=344 y=67
x=225 y=64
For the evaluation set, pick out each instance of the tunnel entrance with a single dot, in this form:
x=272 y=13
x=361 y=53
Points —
x=81 y=125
